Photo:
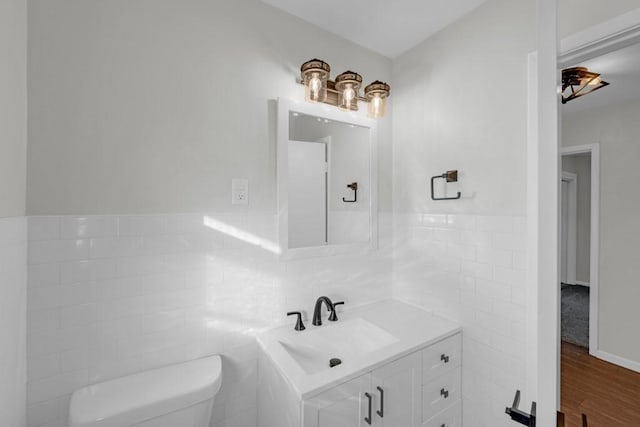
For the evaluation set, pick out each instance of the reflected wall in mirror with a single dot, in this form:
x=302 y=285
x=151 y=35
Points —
x=326 y=178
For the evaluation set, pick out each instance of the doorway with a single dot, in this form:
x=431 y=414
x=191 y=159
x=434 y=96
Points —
x=544 y=186
x=598 y=246
x=578 y=302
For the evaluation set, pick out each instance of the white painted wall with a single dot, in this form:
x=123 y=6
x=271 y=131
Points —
x=448 y=113
x=581 y=166
x=161 y=103
x=578 y=15
x=616 y=128
x=13 y=142
x=459 y=102
x=13 y=106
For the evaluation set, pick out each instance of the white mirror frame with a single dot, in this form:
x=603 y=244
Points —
x=358 y=118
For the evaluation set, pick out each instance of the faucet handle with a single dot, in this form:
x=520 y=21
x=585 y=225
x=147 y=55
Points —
x=299 y=324
x=333 y=316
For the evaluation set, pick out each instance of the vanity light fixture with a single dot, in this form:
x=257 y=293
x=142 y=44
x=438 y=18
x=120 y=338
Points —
x=579 y=81
x=315 y=76
x=348 y=84
x=376 y=94
x=344 y=92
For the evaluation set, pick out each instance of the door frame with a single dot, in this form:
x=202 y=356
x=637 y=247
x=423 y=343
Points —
x=543 y=181
x=570 y=263
x=326 y=140
x=594 y=261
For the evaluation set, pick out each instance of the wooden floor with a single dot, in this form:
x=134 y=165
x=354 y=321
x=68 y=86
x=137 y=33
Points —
x=608 y=394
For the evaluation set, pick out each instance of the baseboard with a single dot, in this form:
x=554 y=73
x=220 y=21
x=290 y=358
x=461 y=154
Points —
x=617 y=360
x=581 y=283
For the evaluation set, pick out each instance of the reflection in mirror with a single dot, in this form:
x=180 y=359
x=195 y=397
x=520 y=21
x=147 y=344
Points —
x=325 y=159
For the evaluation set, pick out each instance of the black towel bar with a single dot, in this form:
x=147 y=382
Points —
x=448 y=176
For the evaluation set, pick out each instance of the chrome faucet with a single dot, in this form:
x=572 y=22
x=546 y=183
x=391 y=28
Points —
x=317 y=311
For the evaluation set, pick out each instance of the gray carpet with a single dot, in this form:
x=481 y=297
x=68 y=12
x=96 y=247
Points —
x=575 y=314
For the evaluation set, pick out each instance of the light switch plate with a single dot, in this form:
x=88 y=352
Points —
x=239 y=191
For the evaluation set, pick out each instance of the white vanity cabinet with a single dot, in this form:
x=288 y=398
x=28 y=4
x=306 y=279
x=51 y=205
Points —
x=386 y=397
x=420 y=389
x=400 y=368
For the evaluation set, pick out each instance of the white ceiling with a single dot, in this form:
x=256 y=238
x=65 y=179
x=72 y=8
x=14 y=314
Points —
x=389 y=27
x=620 y=68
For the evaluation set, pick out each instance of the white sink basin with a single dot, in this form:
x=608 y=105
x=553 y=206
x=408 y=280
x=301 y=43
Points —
x=363 y=338
x=347 y=340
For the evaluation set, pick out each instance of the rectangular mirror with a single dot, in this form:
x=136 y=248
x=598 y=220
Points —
x=327 y=179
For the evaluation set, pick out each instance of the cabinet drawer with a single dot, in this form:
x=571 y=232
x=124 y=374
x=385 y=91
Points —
x=450 y=417
x=440 y=393
x=441 y=357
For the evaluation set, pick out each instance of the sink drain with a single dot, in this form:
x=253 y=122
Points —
x=334 y=362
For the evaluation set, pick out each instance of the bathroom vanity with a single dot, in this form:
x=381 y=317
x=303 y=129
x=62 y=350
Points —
x=399 y=366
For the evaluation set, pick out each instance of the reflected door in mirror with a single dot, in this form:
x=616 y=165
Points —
x=307 y=194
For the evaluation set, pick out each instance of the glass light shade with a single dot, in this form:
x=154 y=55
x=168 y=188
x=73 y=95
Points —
x=377 y=106
x=315 y=88
x=347 y=98
x=315 y=74
x=594 y=81
x=376 y=94
x=347 y=85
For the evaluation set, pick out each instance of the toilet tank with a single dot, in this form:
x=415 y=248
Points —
x=177 y=395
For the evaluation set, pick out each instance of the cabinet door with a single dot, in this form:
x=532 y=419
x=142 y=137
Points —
x=344 y=405
x=397 y=393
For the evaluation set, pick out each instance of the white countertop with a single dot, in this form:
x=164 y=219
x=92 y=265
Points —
x=412 y=327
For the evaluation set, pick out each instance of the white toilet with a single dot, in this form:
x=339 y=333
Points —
x=178 y=395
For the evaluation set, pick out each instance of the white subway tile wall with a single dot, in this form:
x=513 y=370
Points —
x=113 y=295
x=471 y=269
x=13 y=302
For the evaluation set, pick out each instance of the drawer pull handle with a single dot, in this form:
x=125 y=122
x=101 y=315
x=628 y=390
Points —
x=368 y=419
x=444 y=358
x=381 y=411
x=444 y=393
